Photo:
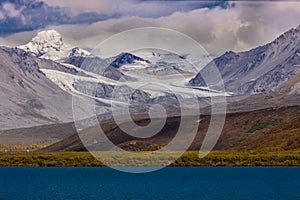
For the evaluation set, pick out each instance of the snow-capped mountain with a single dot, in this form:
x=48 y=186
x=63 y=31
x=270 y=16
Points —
x=41 y=88
x=50 y=45
x=84 y=72
x=152 y=62
x=258 y=70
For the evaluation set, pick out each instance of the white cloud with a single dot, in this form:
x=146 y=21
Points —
x=7 y=43
x=241 y=27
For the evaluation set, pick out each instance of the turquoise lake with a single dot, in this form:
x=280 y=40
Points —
x=169 y=183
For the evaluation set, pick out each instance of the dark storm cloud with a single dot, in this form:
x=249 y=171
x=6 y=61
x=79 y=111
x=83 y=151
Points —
x=26 y=15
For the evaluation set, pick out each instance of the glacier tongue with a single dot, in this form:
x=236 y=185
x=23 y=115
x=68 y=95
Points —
x=50 y=45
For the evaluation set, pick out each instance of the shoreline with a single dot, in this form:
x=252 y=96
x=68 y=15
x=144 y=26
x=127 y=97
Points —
x=189 y=159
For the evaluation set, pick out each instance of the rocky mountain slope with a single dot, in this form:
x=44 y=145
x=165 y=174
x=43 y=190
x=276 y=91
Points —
x=97 y=66
x=125 y=59
x=285 y=95
x=258 y=70
x=27 y=96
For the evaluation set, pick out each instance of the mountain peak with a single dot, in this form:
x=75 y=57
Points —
x=292 y=34
x=49 y=44
x=51 y=37
x=49 y=32
x=126 y=58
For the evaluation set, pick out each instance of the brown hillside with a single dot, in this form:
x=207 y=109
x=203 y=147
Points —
x=267 y=129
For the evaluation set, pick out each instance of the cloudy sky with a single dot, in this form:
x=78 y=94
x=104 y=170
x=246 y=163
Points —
x=217 y=25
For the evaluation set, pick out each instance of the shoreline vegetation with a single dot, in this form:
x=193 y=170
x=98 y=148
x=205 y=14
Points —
x=190 y=158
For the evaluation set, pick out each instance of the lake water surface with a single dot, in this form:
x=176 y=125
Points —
x=169 y=183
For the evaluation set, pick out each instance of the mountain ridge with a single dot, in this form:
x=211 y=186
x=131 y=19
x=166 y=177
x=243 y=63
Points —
x=260 y=69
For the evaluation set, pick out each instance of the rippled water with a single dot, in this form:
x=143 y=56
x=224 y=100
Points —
x=169 y=183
